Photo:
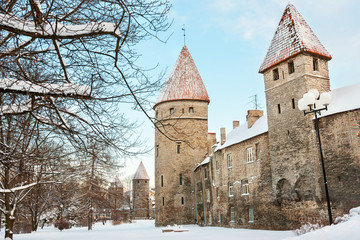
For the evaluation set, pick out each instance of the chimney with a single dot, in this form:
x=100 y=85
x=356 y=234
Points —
x=236 y=124
x=253 y=116
x=211 y=138
x=222 y=135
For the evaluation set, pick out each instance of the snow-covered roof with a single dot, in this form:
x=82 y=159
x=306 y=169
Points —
x=184 y=81
x=117 y=183
x=141 y=173
x=343 y=99
x=292 y=36
x=243 y=133
x=206 y=161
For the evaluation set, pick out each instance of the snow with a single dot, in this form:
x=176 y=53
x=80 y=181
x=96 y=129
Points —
x=47 y=30
x=16 y=108
x=145 y=229
x=141 y=173
x=348 y=230
x=293 y=35
x=184 y=81
x=10 y=84
x=17 y=188
x=243 y=133
x=343 y=99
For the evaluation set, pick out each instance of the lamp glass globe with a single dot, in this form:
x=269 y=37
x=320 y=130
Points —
x=325 y=98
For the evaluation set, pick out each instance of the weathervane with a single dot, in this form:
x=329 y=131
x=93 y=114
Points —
x=183 y=28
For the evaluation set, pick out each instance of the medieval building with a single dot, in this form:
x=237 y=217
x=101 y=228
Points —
x=267 y=172
x=141 y=208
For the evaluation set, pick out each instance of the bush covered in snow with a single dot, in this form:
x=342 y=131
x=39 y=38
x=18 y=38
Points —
x=353 y=212
x=309 y=227
x=62 y=224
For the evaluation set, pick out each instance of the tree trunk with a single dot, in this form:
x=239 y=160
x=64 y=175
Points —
x=9 y=219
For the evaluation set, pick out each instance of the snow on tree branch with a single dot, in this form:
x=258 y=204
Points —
x=57 y=30
x=14 y=109
x=52 y=89
x=15 y=189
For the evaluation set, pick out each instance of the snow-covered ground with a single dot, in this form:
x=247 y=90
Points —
x=347 y=229
x=146 y=230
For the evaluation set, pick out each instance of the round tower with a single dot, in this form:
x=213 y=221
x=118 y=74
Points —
x=141 y=193
x=181 y=114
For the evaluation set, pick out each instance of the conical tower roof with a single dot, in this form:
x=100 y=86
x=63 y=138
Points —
x=292 y=36
x=141 y=173
x=184 y=81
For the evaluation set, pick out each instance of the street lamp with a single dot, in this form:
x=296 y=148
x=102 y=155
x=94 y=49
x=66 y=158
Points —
x=313 y=102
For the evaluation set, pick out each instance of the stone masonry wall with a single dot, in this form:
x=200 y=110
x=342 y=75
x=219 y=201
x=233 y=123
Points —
x=141 y=198
x=187 y=130
x=292 y=145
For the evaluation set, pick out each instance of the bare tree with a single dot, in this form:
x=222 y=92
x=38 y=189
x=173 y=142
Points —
x=65 y=67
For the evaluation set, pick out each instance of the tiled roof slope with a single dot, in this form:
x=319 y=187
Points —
x=184 y=82
x=292 y=36
x=141 y=173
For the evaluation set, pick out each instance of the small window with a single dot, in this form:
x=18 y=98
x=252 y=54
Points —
x=291 y=67
x=251 y=215
x=257 y=146
x=232 y=214
x=315 y=64
x=191 y=110
x=229 y=160
x=163 y=201
x=219 y=216
x=279 y=109
x=205 y=173
x=162 y=181
x=249 y=155
x=207 y=195
x=172 y=111
x=182 y=200
x=181 y=179
x=244 y=187
x=145 y=181
x=217 y=165
x=183 y=111
x=231 y=189
x=276 y=74
x=178 y=148
x=157 y=150
x=138 y=181
x=293 y=103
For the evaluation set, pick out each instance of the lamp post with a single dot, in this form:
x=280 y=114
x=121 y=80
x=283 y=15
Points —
x=313 y=102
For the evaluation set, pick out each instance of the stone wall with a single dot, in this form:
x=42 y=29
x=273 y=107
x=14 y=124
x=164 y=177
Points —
x=141 y=199
x=176 y=154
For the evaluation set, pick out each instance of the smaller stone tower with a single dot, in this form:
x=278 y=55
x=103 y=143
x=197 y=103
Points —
x=141 y=193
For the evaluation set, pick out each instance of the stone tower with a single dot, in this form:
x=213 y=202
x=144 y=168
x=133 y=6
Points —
x=295 y=63
x=181 y=113
x=141 y=193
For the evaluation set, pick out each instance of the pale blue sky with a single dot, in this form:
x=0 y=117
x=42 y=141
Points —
x=228 y=40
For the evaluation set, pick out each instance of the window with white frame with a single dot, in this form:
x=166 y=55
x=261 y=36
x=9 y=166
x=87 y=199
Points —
x=229 y=160
x=232 y=214
x=249 y=155
x=244 y=187
x=231 y=189
x=251 y=215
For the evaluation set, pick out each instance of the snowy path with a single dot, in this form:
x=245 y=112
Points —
x=146 y=230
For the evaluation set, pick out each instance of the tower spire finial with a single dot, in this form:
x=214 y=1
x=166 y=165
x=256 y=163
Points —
x=183 y=28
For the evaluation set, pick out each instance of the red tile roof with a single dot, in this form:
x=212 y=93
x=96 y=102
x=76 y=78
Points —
x=141 y=173
x=184 y=81
x=292 y=36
